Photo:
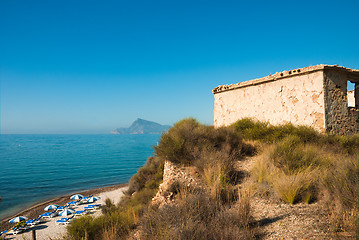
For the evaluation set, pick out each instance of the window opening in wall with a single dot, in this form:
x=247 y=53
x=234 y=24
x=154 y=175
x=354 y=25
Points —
x=350 y=94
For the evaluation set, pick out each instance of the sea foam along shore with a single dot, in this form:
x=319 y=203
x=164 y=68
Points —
x=50 y=230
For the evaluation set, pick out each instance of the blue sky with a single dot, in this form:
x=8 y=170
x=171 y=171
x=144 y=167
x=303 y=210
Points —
x=91 y=66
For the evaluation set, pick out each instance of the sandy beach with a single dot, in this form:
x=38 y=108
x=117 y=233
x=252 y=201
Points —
x=49 y=229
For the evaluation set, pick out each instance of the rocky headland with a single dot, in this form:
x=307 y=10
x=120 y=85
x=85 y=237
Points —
x=141 y=126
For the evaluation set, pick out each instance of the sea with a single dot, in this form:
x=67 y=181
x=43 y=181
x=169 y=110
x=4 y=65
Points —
x=35 y=168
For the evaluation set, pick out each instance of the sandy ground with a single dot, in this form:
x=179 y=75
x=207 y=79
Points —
x=50 y=230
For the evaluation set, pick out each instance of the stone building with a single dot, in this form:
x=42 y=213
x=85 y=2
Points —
x=315 y=96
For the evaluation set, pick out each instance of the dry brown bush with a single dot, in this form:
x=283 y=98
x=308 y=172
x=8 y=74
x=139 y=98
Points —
x=197 y=216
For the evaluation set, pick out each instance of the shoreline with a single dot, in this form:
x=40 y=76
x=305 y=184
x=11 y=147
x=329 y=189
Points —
x=38 y=208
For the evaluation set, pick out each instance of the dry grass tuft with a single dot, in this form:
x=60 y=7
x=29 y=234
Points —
x=197 y=217
x=296 y=187
x=243 y=204
x=342 y=182
x=295 y=171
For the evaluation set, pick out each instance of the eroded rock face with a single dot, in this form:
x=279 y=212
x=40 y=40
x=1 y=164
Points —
x=173 y=176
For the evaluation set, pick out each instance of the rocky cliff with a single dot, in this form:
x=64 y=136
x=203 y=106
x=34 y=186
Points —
x=175 y=176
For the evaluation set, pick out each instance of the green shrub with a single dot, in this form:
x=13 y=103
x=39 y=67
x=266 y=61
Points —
x=143 y=197
x=108 y=207
x=187 y=139
x=342 y=144
x=119 y=222
x=253 y=130
x=305 y=134
x=174 y=145
x=292 y=156
x=148 y=176
x=85 y=227
x=263 y=131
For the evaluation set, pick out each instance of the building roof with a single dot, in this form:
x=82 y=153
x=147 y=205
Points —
x=354 y=75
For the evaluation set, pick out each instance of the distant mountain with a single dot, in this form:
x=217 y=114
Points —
x=141 y=126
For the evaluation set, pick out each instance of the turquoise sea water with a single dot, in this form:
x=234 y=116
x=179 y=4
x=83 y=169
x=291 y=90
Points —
x=39 y=167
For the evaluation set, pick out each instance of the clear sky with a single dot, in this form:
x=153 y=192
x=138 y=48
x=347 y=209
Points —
x=91 y=66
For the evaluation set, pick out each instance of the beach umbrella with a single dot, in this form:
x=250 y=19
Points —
x=18 y=219
x=66 y=212
x=76 y=197
x=61 y=208
x=87 y=197
x=71 y=203
x=51 y=207
x=93 y=199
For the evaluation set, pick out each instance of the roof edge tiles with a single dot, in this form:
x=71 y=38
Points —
x=284 y=74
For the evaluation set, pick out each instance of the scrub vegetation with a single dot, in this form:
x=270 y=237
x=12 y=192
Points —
x=301 y=165
x=297 y=165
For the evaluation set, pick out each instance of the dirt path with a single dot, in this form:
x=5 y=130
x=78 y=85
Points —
x=284 y=221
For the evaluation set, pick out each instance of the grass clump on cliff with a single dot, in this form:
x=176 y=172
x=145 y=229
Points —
x=213 y=151
x=192 y=144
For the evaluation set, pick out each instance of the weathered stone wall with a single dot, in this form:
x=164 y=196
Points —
x=298 y=99
x=174 y=174
x=339 y=118
x=354 y=120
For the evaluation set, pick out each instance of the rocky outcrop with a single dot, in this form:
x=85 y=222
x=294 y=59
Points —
x=175 y=177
